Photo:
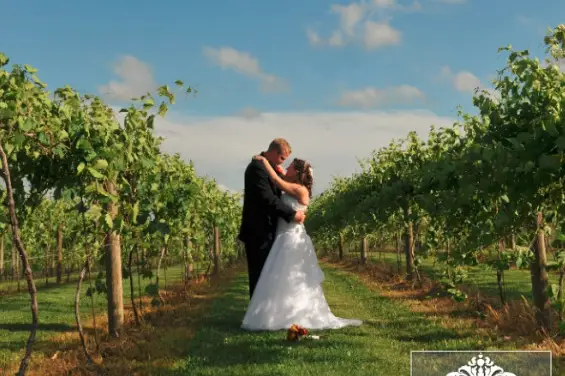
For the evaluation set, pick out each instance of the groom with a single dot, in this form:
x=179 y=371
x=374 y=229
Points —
x=262 y=207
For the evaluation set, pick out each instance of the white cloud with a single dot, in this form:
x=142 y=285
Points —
x=249 y=113
x=465 y=81
x=221 y=147
x=136 y=78
x=371 y=97
x=350 y=15
x=244 y=63
x=385 y=3
x=222 y=187
x=380 y=34
x=337 y=39
x=363 y=23
x=462 y=81
x=415 y=6
x=313 y=37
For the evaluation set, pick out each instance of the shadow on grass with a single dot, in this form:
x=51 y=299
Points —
x=20 y=327
x=379 y=272
x=212 y=353
x=221 y=344
x=222 y=347
x=430 y=337
x=57 y=349
x=40 y=345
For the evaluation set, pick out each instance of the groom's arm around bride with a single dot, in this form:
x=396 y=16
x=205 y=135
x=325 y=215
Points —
x=262 y=206
x=267 y=193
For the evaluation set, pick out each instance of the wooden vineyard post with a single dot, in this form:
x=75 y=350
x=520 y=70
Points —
x=540 y=278
x=398 y=253
x=1 y=257
x=500 y=273
x=188 y=262
x=114 y=271
x=59 y=254
x=217 y=261
x=409 y=245
x=364 y=249
x=46 y=266
x=341 y=246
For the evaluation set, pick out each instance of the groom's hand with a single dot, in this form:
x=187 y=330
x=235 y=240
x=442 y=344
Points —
x=299 y=216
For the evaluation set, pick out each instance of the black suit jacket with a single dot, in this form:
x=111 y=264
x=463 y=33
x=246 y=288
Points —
x=262 y=206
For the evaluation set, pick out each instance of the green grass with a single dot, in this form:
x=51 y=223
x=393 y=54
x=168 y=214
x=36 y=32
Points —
x=517 y=282
x=56 y=313
x=381 y=346
x=9 y=286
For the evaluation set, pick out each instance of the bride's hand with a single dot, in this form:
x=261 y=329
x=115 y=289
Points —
x=259 y=158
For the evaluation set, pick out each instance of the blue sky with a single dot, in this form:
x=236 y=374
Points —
x=265 y=68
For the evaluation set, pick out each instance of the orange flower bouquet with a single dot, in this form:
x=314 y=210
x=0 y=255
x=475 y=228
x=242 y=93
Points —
x=295 y=333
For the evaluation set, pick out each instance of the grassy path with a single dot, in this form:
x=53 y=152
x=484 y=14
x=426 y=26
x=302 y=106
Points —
x=201 y=335
x=381 y=346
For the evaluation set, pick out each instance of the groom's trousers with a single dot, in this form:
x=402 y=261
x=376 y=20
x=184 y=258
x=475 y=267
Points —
x=256 y=253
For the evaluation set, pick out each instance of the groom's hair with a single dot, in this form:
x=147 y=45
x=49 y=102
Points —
x=280 y=145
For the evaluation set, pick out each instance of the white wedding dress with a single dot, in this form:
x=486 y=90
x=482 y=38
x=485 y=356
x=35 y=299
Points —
x=289 y=289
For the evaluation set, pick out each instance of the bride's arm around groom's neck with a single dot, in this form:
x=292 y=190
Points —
x=264 y=191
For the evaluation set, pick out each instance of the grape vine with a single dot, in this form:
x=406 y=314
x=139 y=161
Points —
x=89 y=190
x=494 y=180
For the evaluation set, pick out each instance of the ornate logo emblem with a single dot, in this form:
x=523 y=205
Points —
x=480 y=366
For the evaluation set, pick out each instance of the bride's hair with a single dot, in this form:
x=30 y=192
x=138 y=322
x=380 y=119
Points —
x=304 y=177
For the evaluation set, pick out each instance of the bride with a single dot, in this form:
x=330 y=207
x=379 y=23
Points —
x=289 y=289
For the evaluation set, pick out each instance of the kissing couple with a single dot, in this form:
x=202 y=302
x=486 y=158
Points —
x=285 y=280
